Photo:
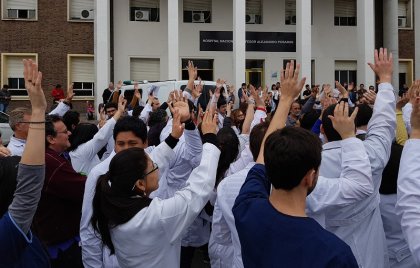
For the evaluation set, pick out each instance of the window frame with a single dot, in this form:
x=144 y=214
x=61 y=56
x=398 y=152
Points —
x=3 y=73
x=69 y=19
x=347 y=24
x=185 y=69
x=3 y=11
x=69 y=78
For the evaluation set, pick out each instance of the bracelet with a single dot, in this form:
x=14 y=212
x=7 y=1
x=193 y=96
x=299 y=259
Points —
x=261 y=109
x=33 y=122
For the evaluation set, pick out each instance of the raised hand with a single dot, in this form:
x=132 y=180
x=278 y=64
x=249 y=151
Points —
x=342 y=122
x=177 y=126
x=229 y=109
x=33 y=85
x=209 y=124
x=370 y=96
x=290 y=86
x=342 y=90
x=413 y=92
x=192 y=71
x=181 y=105
x=119 y=85
x=70 y=93
x=197 y=89
x=382 y=65
x=254 y=93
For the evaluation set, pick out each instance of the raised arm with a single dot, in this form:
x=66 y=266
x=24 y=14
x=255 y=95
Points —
x=31 y=170
x=64 y=105
x=381 y=127
x=408 y=193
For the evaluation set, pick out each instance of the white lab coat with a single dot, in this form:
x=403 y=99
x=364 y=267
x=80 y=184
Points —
x=85 y=157
x=359 y=224
x=152 y=237
x=224 y=245
x=407 y=110
x=94 y=253
x=408 y=196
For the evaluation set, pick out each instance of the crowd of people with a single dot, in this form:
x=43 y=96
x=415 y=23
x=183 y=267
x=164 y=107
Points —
x=297 y=176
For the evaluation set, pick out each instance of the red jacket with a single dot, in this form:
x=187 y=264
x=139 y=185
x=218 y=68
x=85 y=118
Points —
x=57 y=94
x=58 y=216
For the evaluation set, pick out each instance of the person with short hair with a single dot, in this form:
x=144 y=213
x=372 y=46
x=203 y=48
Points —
x=57 y=93
x=5 y=98
x=269 y=211
x=107 y=94
x=18 y=121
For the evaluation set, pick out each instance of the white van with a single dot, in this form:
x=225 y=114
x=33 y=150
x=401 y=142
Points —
x=162 y=88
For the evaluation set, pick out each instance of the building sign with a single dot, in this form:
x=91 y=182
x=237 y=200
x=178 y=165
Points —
x=255 y=41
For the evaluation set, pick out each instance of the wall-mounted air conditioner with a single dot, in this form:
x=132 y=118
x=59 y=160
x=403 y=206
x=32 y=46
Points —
x=86 y=14
x=142 y=15
x=198 y=17
x=402 y=22
x=250 y=19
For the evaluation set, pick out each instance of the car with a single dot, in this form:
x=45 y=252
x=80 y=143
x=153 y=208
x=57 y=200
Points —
x=161 y=89
x=5 y=130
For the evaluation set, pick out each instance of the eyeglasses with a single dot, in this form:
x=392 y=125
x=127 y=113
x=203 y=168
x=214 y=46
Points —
x=63 y=132
x=155 y=167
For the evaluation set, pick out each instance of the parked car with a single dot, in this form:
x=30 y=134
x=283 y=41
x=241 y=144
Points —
x=162 y=88
x=5 y=130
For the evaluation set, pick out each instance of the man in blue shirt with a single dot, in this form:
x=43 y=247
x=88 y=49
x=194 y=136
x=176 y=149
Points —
x=273 y=228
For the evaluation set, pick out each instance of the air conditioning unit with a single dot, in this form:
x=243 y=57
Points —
x=293 y=20
x=402 y=22
x=142 y=15
x=251 y=19
x=198 y=17
x=86 y=14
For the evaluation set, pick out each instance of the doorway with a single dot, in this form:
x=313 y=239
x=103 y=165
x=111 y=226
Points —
x=254 y=73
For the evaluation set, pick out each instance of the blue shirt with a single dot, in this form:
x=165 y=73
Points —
x=272 y=239
x=18 y=249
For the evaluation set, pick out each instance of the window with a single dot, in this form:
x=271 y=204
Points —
x=81 y=72
x=144 y=10
x=405 y=14
x=253 y=12
x=346 y=72
x=204 y=69
x=19 y=9
x=405 y=72
x=81 y=10
x=345 y=13
x=12 y=71
x=290 y=18
x=144 y=69
x=197 y=11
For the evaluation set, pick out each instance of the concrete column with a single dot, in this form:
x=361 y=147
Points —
x=304 y=37
x=416 y=40
x=238 y=43
x=391 y=36
x=102 y=48
x=365 y=41
x=173 y=40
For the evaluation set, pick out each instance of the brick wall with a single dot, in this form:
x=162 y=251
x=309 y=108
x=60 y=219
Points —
x=52 y=37
x=406 y=44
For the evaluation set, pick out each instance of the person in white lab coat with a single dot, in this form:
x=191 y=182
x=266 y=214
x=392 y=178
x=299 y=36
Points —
x=146 y=232
x=359 y=224
x=408 y=192
x=86 y=141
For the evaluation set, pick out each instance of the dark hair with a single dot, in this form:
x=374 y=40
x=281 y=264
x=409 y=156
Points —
x=256 y=138
x=71 y=118
x=153 y=136
x=289 y=154
x=228 y=144
x=157 y=117
x=363 y=115
x=330 y=132
x=83 y=133
x=6 y=86
x=111 y=105
x=58 y=86
x=8 y=174
x=137 y=110
x=308 y=120
x=49 y=126
x=113 y=204
x=243 y=84
x=133 y=124
x=221 y=101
